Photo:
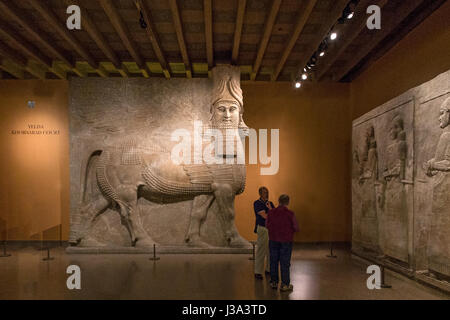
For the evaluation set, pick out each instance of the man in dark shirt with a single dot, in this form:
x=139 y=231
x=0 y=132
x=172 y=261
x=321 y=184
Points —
x=282 y=224
x=261 y=207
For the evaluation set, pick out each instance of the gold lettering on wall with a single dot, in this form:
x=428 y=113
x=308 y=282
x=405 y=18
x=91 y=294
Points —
x=36 y=129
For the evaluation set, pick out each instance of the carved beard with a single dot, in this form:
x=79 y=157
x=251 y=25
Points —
x=225 y=125
x=445 y=120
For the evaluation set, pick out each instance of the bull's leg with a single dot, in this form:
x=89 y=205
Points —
x=225 y=200
x=199 y=212
x=88 y=216
x=130 y=216
x=142 y=237
x=126 y=221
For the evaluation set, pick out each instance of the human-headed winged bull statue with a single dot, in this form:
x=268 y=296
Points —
x=126 y=173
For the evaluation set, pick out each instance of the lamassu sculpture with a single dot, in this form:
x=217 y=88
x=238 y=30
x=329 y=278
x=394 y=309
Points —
x=126 y=173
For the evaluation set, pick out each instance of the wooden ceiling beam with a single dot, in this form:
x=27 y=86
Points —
x=389 y=22
x=305 y=12
x=61 y=28
x=7 y=52
x=124 y=34
x=207 y=12
x=153 y=36
x=328 y=21
x=238 y=30
x=16 y=61
x=11 y=68
x=270 y=21
x=23 y=44
x=34 y=31
x=26 y=47
x=348 y=34
x=180 y=37
x=90 y=27
x=36 y=69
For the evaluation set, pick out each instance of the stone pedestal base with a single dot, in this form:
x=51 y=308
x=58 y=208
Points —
x=159 y=250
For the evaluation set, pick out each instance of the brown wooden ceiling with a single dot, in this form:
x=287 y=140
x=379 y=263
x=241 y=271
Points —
x=268 y=39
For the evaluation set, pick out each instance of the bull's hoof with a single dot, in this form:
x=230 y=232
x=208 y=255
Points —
x=144 y=243
x=90 y=242
x=238 y=242
x=195 y=241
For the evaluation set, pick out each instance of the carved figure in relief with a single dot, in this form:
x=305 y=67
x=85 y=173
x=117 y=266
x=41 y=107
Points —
x=368 y=189
x=395 y=239
x=126 y=173
x=439 y=168
x=369 y=169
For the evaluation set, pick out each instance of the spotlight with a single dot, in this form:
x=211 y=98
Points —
x=304 y=69
x=333 y=36
x=313 y=60
x=298 y=84
x=323 y=47
x=349 y=11
x=304 y=76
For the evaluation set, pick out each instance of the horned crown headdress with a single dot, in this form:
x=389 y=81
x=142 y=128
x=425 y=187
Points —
x=446 y=105
x=226 y=87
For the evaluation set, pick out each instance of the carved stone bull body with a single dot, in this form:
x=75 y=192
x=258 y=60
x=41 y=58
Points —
x=125 y=174
x=122 y=174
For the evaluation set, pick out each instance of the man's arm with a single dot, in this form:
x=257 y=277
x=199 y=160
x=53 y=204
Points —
x=259 y=208
x=263 y=214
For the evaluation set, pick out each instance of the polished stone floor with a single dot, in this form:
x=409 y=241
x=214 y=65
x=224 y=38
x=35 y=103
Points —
x=196 y=276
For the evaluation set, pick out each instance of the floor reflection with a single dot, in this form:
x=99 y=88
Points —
x=227 y=277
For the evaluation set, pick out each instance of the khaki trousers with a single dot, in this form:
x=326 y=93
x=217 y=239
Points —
x=262 y=250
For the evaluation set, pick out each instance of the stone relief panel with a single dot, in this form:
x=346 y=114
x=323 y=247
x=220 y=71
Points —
x=433 y=186
x=125 y=189
x=401 y=183
x=382 y=196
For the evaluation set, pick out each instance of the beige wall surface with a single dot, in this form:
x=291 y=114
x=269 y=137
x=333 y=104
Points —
x=314 y=125
x=34 y=159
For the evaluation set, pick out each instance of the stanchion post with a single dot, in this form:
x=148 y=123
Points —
x=383 y=285
x=154 y=258
x=5 y=254
x=48 y=258
x=331 y=255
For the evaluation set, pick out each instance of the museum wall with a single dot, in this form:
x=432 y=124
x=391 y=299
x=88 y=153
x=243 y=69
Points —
x=313 y=148
x=315 y=134
x=419 y=57
x=34 y=175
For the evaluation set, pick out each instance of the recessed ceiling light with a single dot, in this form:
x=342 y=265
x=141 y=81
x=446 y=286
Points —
x=298 y=84
x=333 y=36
